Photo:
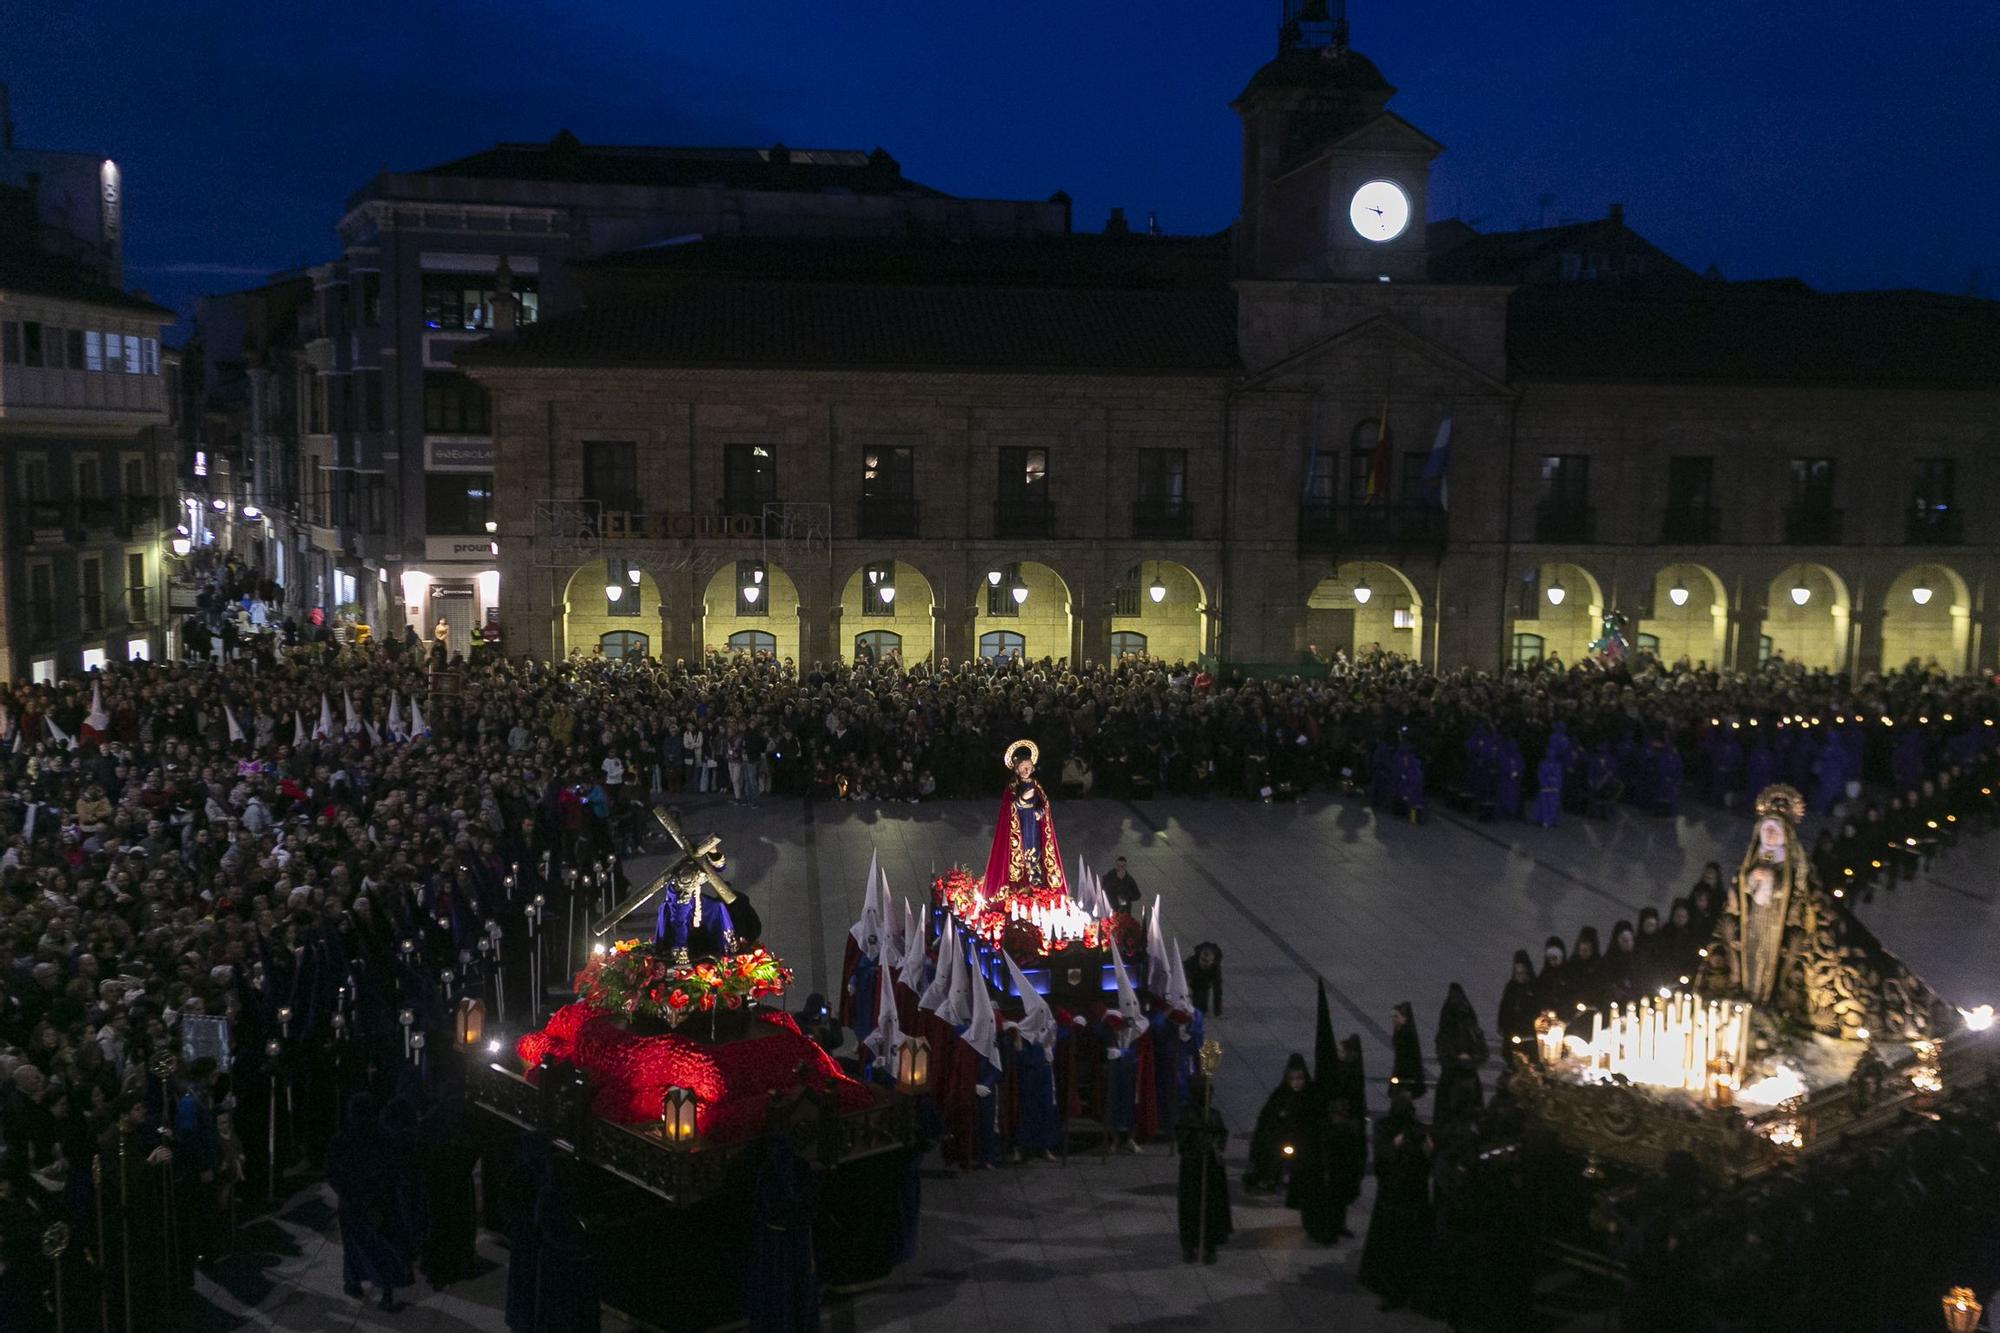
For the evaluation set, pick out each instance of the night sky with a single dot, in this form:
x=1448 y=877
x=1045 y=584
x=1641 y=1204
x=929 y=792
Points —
x=1848 y=144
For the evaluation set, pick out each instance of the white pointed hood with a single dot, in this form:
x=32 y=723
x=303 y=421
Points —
x=1159 y=970
x=418 y=727
x=298 y=728
x=1128 y=1001
x=1037 y=1022
x=911 y=973
x=325 y=728
x=888 y=1033
x=983 y=1035
x=396 y=729
x=934 y=994
x=866 y=932
x=956 y=1008
x=235 y=727
x=58 y=735
x=351 y=720
x=97 y=719
x=1178 y=997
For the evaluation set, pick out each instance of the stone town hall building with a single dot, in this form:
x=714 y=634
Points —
x=1079 y=445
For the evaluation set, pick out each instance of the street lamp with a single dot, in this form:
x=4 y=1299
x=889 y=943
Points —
x=1157 y=590
x=613 y=590
x=751 y=592
x=632 y=575
x=1678 y=594
x=181 y=545
x=1801 y=594
x=492 y=526
x=1921 y=594
x=1020 y=593
x=993 y=577
x=888 y=593
x=1556 y=593
x=1362 y=592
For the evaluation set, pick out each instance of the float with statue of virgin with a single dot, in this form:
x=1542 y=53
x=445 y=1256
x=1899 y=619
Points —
x=1796 y=1032
x=1059 y=931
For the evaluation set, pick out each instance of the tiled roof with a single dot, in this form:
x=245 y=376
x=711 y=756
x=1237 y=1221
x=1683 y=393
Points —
x=805 y=170
x=1676 y=331
x=857 y=327
x=1460 y=254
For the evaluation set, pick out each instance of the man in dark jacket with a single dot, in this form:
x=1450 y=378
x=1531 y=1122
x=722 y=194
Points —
x=1120 y=887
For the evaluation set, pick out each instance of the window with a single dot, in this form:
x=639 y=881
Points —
x=1690 y=512
x=152 y=356
x=1126 y=643
x=1562 y=512
x=371 y=300
x=135 y=587
x=878 y=645
x=93 y=350
x=749 y=479
x=92 y=571
x=114 y=352
x=1527 y=650
x=34 y=479
x=623 y=643
x=135 y=362
x=1322 y=467
x=1002 y=644
x=1649 y=643
x=1812 y=483
x=1764 y=649
x=611 y=474
x=10 y=342
x=88 y=480
x=132 y=481
x=43 y=670
x=31 y=343
x=455 y=404
x=315 y=403
x=1000 y=596
x=55 y=346
x=1933 y=517
x=1163 y=478
x=465 y=300
x=370 y=384
x=618 y=574
x=757 y=642
x=138 y=650
x=73 y=352
x=1023 y=493
x=41 y=602
x=753 y=591
x=1368 y=436
x=1125 y=601
x=888 y=492
x=93 y=660
x=878 y=589
x=374 y=501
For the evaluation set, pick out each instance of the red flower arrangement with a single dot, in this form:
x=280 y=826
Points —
x=988 y=918
x=633 y=980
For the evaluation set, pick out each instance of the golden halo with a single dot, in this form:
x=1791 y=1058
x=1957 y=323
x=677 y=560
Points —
x=1034 y=754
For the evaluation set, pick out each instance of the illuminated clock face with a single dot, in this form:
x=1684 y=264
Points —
x=1380 y=211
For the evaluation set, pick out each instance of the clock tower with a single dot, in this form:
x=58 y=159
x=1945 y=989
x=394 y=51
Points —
x=1335 y=185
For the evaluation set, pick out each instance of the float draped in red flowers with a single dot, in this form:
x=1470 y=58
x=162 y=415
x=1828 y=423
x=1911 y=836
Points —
x=633 y=980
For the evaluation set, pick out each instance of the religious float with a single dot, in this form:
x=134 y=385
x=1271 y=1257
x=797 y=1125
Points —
x=1059 y=931
x=1797 y=1031
x=666 y=1080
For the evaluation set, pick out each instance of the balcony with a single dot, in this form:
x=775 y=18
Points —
x=888 y=516
x=1023 y=516
x=1326 y=526
x=1690 y=525
x=1163 y=520
x=1562 y=524
x=1937 y=525
x=1813 y=525
x=139 y=515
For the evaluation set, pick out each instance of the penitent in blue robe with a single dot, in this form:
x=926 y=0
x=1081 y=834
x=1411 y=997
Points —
x=1039 y=1127
x=1548 y=792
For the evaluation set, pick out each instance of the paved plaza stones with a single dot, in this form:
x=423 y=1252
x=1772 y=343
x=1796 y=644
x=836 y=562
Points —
x=1384 y=911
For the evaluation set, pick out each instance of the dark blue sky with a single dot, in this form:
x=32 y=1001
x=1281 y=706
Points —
x=1850 y=145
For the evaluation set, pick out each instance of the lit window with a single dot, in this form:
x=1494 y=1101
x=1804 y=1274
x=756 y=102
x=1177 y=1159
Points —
x=93 y=659
x=138 y=650
x=43 y=670
x=93 y=350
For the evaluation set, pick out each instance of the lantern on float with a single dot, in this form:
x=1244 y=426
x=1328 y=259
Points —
x=913 y=1065
x=677 y=1122
x=1549 y=1033
x=469 y=1022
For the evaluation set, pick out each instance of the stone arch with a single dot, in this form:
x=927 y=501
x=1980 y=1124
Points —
x=1365 y=603
x=1696 y=626
x=589 y=614
x=1561 y=603
x=911 y=613
x=1937 y=628
x=1045 y=620
x=775 y=610
x=1176 y=626
x=1812 y=631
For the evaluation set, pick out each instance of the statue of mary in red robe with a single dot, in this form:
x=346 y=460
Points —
x=1025 y=855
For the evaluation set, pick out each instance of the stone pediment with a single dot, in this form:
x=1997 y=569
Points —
x=1346 y=354
x=1387 y=133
